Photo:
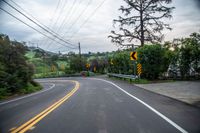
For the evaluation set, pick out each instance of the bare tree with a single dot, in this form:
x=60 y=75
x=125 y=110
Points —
x=142 y=21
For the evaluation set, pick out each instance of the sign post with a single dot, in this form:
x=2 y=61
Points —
x=133 y=57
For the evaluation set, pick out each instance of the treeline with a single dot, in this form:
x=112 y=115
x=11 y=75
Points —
x=177 y=59
x=15 y=72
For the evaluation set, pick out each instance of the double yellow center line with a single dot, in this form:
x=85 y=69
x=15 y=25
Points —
x=27 y=125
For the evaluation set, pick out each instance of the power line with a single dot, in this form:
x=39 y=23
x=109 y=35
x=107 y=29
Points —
x=58 y=17
x=34 y=17
x=70 y=15
x=37 y=23
x=76 y=20
x=88 y=18
x=57 y=7
x=65 y=18
x=37 y=19
x=93 y=13
x=50 y=32
x=33 y=28
x=53 y=24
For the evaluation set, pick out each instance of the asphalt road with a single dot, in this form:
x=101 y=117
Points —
x=88 y=105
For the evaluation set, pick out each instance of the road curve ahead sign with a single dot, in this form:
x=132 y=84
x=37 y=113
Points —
x=133 y=56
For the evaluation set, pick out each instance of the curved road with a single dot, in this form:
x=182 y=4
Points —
x=90 y=105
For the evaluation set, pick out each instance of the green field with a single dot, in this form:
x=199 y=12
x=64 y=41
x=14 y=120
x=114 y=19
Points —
x=46 y=67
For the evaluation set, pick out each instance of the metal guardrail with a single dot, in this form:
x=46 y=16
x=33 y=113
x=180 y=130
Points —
x=123 y=76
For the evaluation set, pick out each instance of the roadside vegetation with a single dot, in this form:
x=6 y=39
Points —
x=143 y=22
x=19 y=64
x=179 y=59
x=15 y=72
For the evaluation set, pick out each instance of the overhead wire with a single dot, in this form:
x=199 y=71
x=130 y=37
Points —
x=79 y=16
x=54 y=25
x=65 y=18
x=58 y=17
x=59 y=38
x=34 y=17
x=48 y=31
x=50 y=24
x=88 y=18
x=32 y=27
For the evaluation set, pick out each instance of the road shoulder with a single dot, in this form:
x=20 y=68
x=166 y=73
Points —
x=185 y=91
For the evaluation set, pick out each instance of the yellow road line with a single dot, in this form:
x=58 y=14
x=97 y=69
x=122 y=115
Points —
x=27 y=125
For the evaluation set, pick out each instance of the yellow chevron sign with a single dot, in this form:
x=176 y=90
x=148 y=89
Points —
x=133 y=56
x=87 y=65
x=53 y=68
x=62 y=67
x=139 y=69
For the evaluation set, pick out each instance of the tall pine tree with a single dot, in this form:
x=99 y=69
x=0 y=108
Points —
x=142 y=20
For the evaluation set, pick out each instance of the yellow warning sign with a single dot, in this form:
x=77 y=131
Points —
x=87 y=65
x=133 y=56
x=139 y=69
x=53 y=68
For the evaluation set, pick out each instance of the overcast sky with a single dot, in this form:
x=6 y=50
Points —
x=68 y=16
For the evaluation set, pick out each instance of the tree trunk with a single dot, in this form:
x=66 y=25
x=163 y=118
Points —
x=141 y=25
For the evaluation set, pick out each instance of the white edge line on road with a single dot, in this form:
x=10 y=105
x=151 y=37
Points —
x=16 y=99
x=148 y=106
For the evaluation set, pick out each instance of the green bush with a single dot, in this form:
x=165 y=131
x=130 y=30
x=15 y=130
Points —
x=15 y=72
x=31 y=87
x=154 y=60
x=69 y=71
x=3 y=93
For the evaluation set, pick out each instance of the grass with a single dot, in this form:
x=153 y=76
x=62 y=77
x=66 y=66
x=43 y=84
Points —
x=49 y=74
x=65 y=63
x=161 y=81
x=134 y=81
x=3 y=93
x=143 y=81
x=43 y=69
x=30 y=88
x=140 y=81
x=30 y=54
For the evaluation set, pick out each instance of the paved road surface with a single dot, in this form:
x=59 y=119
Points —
x=96 y=106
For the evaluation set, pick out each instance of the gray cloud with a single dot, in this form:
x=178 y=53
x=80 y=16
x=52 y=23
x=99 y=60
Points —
x=93 y=35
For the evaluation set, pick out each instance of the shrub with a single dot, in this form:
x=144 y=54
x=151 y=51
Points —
x=154 y=60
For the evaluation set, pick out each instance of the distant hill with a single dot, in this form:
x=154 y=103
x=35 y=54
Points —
x=41 y=52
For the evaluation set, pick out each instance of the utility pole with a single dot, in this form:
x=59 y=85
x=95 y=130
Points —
x=79 y=49
x=44 y=65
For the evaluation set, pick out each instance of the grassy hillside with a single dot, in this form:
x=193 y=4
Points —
x=46 y=66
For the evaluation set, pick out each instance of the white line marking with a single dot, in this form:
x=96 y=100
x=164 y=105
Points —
x=148 y=106
x=53 y=85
